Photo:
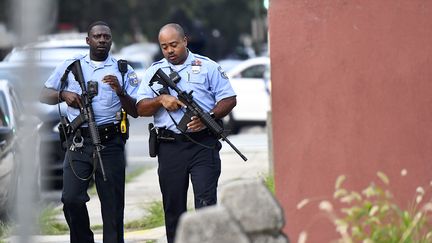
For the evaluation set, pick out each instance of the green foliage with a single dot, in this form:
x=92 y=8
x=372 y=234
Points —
x=199 y=18
x=371 y=215
x=269 y=182
x=48 y=224
x=4 y=231
x=154 y=219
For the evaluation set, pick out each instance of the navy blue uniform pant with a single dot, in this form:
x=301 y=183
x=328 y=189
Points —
x=110 y=192
x=179 y=159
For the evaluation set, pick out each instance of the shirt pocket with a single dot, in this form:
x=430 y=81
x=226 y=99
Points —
x=106 y=94
x=197 y=78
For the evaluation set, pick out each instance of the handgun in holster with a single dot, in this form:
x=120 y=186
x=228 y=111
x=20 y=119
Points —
x=124 y=125
x=64 y=131
x=153 y=140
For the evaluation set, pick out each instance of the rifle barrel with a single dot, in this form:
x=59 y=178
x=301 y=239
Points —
x=224 y=138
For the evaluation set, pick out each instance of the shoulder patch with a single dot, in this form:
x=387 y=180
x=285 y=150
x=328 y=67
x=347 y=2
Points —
x=223 y=74
x=133 y=79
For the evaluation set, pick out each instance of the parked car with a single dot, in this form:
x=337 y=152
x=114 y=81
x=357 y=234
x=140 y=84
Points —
x=228 y=64
x=50 y=156
x=139 y=55
x=50 y=48
x=250 y=80
x=46 y=55
x=11 y=140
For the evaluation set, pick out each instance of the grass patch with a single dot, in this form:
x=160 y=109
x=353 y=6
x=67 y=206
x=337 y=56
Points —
x=97 y=228
x=48 y=224
x=4 y=231
x=154 y=219
x=134 y=174
x=269 y=182
x=129 y=177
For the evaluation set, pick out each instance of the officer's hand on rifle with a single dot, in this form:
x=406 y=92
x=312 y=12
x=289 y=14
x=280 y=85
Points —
x=196 y=125
x=170 y=102
x=113 y=82
x=72 y=99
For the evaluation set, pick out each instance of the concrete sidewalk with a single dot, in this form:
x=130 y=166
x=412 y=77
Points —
x=144 y=189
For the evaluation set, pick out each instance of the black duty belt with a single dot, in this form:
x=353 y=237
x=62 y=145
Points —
x=197 y=136
x=106 y=131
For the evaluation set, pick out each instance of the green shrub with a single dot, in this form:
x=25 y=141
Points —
x=371 y=215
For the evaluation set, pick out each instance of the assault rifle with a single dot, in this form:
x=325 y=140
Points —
x=192 y=108
x=87 y=111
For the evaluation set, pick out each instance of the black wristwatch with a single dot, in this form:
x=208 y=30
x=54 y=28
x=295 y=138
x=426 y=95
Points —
x=122 y=93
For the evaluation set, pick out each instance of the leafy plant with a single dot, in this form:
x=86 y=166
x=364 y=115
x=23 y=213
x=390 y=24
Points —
x=371 y=215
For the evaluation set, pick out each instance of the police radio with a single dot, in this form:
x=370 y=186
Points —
x=124 y=123
x=122 y=66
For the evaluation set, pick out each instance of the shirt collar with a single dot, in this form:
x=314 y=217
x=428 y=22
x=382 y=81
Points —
x=108 y=61
x=186 y=63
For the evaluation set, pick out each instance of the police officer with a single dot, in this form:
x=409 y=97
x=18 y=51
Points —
x=112 y=95
x=196 y=153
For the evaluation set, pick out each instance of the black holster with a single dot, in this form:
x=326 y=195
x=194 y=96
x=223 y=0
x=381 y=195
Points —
x=64 y=131
x=153 y=141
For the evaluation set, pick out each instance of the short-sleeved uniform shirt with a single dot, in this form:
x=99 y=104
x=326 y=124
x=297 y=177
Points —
x=198 y=74
x=106 y=104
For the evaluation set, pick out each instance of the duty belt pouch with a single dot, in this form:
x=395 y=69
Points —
x=153 y=141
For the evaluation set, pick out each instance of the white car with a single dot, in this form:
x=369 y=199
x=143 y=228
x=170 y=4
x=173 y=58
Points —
x=50 y=48
x=250 y=80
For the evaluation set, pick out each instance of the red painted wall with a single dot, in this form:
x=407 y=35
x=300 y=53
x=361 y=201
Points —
x=351 y=94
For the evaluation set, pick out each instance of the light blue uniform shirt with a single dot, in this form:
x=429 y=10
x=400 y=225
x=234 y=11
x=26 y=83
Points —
x=198 y=74
x=106 y=104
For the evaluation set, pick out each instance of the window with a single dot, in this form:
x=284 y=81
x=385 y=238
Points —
x=4 y=118
x=256 y=71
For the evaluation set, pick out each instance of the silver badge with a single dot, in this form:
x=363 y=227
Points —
x=196 y=66
x=196 y=69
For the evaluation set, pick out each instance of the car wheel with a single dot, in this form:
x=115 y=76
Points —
x=231 y=126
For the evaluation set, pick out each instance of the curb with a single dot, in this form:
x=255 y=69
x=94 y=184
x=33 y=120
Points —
x=154 y=235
